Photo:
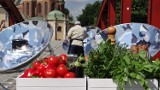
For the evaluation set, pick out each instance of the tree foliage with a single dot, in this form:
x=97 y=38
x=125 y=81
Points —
x=139 y=11
x=67 y=12
x=89 y=14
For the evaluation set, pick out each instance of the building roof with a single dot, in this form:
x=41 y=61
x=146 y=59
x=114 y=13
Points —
x=55 y=14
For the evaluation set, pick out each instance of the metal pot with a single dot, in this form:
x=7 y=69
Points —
x=18 y=43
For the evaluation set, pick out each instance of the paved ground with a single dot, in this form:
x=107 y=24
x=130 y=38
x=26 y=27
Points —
x=8 y=79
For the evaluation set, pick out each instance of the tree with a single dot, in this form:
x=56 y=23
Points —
x=139 y=11
x=89 y=14
x=67 y=12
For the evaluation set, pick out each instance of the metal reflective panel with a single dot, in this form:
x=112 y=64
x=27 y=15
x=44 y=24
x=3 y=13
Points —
x=22 y=42
x=94 y=38
x=139 y=33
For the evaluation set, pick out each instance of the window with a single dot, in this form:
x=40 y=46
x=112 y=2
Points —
x=59 y=29
x=53 y=6
x=46 y=8
x=39 y=8
x=27 y=9
x=59 y=7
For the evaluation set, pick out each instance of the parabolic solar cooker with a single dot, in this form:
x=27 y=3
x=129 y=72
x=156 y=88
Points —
x=23 y=42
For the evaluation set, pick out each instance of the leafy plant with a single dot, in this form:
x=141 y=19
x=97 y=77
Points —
x=121 y=65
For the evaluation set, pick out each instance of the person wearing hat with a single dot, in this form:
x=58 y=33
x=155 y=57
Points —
x=76 y=35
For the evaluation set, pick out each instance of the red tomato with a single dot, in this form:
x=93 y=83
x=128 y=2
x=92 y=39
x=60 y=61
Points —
x=35 y=64
x=52 y=60
x=35 y=73
x=41 y=67
x=45 y=60
x=47 y=66
x=62 y=65
x=50 y=73
x=63 y=57
x=41 y=74
x=58 y=77
x=28 y=73
x=70 y=75
x=62 y=61
x=61 y=70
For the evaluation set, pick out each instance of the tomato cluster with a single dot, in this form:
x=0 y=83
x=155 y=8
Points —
x=51 y=67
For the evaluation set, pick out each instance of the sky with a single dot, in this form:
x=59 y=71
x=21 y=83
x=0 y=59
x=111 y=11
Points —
x=75 y=6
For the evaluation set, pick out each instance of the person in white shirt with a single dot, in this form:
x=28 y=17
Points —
x=76 y=35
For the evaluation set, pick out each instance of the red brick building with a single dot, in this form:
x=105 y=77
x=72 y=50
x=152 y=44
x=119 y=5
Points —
x=32 y=8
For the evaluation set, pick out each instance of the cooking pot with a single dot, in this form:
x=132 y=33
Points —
x=18 y=43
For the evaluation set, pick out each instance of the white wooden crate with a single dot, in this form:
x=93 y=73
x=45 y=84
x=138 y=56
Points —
x=50 y=83
x=108 y=84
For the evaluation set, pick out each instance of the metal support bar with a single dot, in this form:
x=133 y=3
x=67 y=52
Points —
x=126 y=11
x=154 y=13
x=103 y=23
x=111 y=12
x=102 y=17
x=12 y=10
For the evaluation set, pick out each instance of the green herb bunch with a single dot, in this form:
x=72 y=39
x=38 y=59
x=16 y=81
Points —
x=118 y=63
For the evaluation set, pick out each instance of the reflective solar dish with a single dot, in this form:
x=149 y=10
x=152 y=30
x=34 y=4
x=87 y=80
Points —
x=36 y=34
x=93 y=39
x=139 y=33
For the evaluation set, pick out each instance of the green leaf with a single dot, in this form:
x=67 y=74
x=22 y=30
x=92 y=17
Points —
x=143 y=54
x=125 y=78
x=127 y=59
x=126 y=70
x=133 y=75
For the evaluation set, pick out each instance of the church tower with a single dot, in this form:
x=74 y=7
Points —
x=32 y=8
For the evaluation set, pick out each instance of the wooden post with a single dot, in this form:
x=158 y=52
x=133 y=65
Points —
x=111 y=34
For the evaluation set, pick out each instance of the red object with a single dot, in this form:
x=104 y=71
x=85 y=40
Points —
x=62 y=70
x=49 y=73
x=63 y=59
x=70 y=75
x=154 y=13
x=53 y=61
x=41 y=67
x=28 y=73
x=157 y=56
x=106 y=15
x=126 y=11
x=111 y=12
x=102 y=17
x=35 y=64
